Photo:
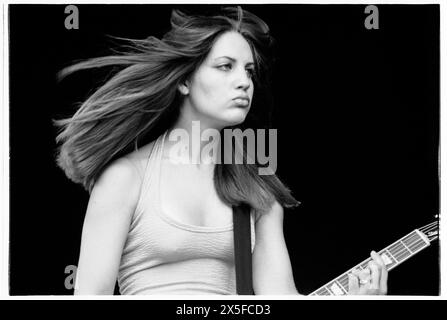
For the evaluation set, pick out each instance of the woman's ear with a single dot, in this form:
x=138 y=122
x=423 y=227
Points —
x=183 y=88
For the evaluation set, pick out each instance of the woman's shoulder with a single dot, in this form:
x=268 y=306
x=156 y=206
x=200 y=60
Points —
x=127 y=169
x=140 y=157
x=275 y=211
x=121 y=179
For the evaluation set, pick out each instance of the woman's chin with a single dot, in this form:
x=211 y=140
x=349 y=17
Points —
x=234 y=121
x=235 y=117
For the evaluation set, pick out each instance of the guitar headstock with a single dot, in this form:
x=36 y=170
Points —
x=431 y=230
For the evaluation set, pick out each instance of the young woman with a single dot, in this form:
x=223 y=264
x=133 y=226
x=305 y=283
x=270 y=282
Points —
x=164 y=227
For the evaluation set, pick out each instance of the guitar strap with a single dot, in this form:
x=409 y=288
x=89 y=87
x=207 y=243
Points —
x=242 y=250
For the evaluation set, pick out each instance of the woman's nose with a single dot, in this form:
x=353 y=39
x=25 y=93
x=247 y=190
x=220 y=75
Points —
x=243 y=81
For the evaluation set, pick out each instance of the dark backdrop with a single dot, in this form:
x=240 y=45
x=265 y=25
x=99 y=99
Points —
x=357 y=113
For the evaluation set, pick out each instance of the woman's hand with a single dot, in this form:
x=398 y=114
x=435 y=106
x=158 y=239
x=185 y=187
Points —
x=371 y=280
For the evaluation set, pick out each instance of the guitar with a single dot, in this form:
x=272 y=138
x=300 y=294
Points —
x=392 y=256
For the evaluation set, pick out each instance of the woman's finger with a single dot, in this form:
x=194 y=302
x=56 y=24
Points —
x=375 y=275
x=353 y=283
x=378 y=259
x=365 y=274
x=384 y=281
x=383 y=272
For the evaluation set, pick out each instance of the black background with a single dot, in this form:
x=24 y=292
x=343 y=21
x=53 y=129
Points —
x=357 y=113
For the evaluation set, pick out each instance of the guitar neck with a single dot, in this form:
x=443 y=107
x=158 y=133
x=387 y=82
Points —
x=392 y=256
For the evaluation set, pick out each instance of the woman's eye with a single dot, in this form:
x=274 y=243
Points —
x=251 y=72
x=228 y=67
x=225 y=67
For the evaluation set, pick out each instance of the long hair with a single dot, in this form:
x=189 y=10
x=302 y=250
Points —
x=141 y=100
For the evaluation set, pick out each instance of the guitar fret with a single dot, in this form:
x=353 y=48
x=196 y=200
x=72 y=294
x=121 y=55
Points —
x=414 y=241
x=335 y=288
x=322 y=292
x=418 y=246
x=405 y=246
x=330 y=291
x=345 y=290
x=343 y=280
x=398 y=251
x=411 y=238
x=401 y=254
x=424 y=236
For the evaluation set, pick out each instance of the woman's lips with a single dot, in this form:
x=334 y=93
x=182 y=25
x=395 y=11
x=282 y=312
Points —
x=241 y=102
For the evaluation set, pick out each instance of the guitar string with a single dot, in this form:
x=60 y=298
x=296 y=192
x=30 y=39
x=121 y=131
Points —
x=433 y=227
x=430 y=225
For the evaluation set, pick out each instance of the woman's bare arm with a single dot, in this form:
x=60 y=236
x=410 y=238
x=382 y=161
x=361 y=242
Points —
x=112 y=202
x=272 y=270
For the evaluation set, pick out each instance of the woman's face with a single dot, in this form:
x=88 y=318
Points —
x=220 y=91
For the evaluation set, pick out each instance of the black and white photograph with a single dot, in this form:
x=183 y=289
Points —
x=224 y=149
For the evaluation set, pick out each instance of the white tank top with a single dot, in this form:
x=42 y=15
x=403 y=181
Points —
x=168 y=257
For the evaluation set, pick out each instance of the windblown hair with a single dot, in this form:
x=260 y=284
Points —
x=142 y=100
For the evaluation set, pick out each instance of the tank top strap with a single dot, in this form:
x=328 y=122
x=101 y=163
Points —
x=151 y=168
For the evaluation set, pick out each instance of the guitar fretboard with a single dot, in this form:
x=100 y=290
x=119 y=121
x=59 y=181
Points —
x=393 y=255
